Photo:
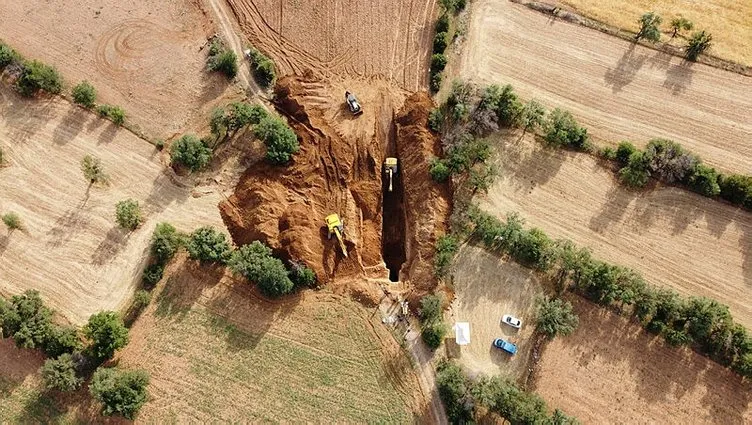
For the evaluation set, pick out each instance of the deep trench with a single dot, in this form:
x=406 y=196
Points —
x=393 y=218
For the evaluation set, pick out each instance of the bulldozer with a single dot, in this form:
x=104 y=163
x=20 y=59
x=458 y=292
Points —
x=390 y=168
x=337 y=228
x=353 y=104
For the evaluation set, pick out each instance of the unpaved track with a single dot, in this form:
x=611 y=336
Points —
x=386 y=39
x=143 y=56
x=610 y=371
x=673 y=237
x=72 y=251
x=617 y=90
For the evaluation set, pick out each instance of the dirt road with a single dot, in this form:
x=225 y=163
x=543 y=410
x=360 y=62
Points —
x=71 y=250
x=673 y=237
x=610 y=371
x=617 y=90
x=386 y=39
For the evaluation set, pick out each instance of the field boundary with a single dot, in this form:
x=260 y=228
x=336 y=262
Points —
x=585 y=21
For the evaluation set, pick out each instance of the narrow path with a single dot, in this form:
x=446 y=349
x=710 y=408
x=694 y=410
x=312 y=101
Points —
x=426 y=372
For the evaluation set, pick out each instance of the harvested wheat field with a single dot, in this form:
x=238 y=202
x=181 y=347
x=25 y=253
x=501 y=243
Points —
x=143 y=56
x=730 y=21
x=673 y=237
x=617 y=90
x=71 y=249
x=216 y=351
x=385 y=39
x=610 y=371
x=487 y=287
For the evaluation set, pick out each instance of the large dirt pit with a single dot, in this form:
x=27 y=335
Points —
x=610 y=371
x=673 y=237
x=71 y=249
x=143 y=56
x=387 y=39
x=617 y=90
x=340 y=170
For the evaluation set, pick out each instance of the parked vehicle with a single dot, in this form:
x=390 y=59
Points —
x=505 y=345
x=511 y=321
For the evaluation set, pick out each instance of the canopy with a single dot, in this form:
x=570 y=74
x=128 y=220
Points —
x=462 y=333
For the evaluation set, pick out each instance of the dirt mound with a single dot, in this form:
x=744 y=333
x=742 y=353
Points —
x=339 y=170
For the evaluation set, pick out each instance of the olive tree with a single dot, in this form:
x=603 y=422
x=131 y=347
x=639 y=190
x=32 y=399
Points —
x=12 y=221
x=679 y=24
x=208 y=245
x=60 y=374
x=256 y=263
x=555 y=317
x=698 y=43
x=191 y=152
x=106 y=333
x=93 y=171
x=121 y=392
x=649 y=23
x=84 y=94
x=128 y=214
x=281 y=142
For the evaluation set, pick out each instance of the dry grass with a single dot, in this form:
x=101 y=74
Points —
x=730 y=21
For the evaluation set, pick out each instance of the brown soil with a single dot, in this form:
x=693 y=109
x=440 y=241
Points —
x=145 y=57
x=611 y=371
x=617 y=90
x=386 y=39
x=339 y=170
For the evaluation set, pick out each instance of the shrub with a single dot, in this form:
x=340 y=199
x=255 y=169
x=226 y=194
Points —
x=120 y=392
x=440 y=42
x=8 y=56
x=649 y=23
x=256 y=263
x=221 y=59
x=281 y=142
x=433 y=333
x=668 y=161
x=624 y=151
x=107 y=334
x=84 y=94
x=517 y=406
x=435 y=83
x=141 y=299
x=128 y=214
x=736 y=189
x=12 y=221
x=442 y=24
x=159 y=144
x=37 y=76
x=436 y=119
x=704 y=180
x=165 y=242
x=242 y=114
x=533 y=248
x=152 y=275
x=503 y=101
x=636 y=173
x=446 y=248
x=116 y=114
x=439 y=170
x=555 y=317
x=263 y=68
x=208 y=245
x=191 y=152
x=454 y=390
x=697 y=44
x=562 y=130
x=433 y=328
x=26 y=320
x=61 y=340
x=680 y=23
x=532 y=115
x=438 y=62
x=93 y=171
x=302 y=275
x=607 y=153
x=431 y=307
x=60 y=374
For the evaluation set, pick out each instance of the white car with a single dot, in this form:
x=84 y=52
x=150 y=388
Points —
x=511 y=321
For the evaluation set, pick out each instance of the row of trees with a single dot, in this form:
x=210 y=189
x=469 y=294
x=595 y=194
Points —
x=650 y=30
x=462 y=397
x=705 y=323
x=85 y=95
x=441 y=40
x=263 y=68
x=433 y=327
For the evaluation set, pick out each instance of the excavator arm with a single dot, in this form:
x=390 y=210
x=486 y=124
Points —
x=341 y=241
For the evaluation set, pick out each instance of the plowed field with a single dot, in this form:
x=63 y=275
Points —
x=386 y=39
x=673 y=237
x=143 y=57
x=71 y=249
x=619 y=91
x=610 y=371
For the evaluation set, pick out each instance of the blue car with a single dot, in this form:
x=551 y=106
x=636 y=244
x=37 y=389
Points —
x=505 y=345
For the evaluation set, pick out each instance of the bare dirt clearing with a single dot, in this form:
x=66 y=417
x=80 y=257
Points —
x=729 y=21
x=72 y=250
x=387 y=39
x=617 y=90
x=143 y=57
x=487 y=287
x=211 y=344
x=673 y=237
x=612 y=371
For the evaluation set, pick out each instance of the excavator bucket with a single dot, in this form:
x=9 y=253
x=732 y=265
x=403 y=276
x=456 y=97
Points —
x=390 y=168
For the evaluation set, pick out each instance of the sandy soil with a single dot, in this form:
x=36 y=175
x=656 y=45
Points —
x=71 y=250
x=673 y=237
x=385 y=39
x=611 y=371
x=486 y=288
x=729 y=21
x=144 y=57
x=617 y=90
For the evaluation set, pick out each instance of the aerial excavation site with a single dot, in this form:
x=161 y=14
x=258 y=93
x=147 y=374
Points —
x=396 y=211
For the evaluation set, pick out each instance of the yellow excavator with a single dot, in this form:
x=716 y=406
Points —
x=390 y=168
x=337 y=227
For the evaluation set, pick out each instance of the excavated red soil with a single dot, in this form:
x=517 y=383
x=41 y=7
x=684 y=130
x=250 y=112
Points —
x=339 y=170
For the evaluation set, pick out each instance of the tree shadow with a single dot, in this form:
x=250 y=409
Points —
x=167 y=189
x=109 y=132
x=625 y=70
x=679 y=77
x=526 y=163
x=67 y=226
x=112 y=243
x=70 y=126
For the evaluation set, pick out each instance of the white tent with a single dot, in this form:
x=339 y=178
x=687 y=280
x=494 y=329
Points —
x=462 y=333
